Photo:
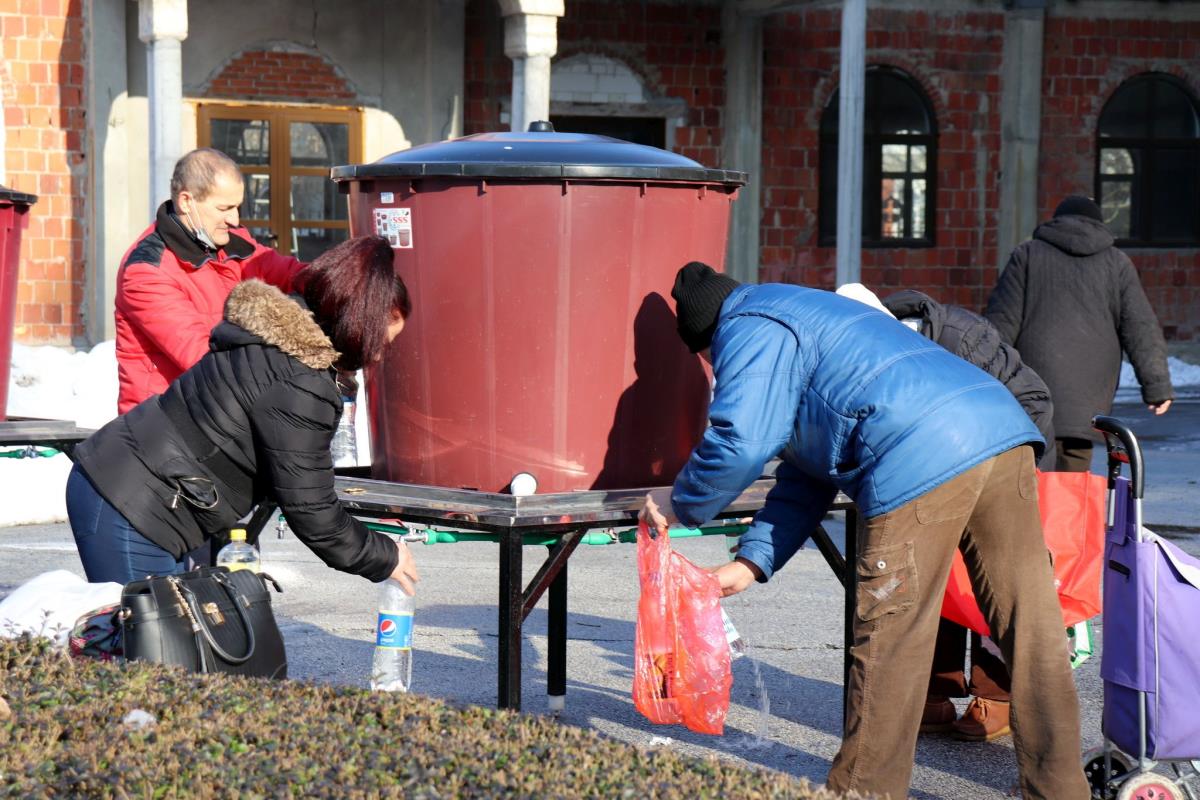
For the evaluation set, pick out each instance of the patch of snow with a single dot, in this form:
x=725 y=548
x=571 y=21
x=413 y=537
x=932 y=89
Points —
x=34 y=490
x=55 y=383
x=1185 y=378
x=1182 y=374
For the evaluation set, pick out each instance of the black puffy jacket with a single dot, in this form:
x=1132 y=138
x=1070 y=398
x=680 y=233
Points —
x=252 y=420
x=1071 y=302
x=971 y=337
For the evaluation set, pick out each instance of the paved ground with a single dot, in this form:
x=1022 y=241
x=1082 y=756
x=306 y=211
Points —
x=793 y=625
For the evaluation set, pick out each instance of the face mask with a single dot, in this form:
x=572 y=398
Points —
x=199 y=232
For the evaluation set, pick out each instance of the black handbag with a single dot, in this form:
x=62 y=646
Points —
x=205 y=620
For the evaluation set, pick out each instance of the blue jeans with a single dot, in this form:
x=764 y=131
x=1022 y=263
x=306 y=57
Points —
x=109 y=547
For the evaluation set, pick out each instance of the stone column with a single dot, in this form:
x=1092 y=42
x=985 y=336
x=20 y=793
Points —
x=111 y=222
x=742 y=135
x=851 y=103
x=162 y=25
x=1020 y=123
x=530 y=39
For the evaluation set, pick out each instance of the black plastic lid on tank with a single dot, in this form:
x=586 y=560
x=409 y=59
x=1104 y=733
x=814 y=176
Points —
x=8 y=195
x=540 y=153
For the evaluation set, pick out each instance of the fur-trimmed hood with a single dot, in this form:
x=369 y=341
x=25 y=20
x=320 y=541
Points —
x=268 y=314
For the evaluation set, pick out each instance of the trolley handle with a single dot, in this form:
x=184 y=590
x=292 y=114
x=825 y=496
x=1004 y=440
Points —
x=1123 y=448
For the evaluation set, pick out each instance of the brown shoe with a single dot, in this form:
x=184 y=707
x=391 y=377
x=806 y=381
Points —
x=983 y=721
x=939 y=716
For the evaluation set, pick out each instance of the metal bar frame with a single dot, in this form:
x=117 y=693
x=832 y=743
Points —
x=850 y=584
x=60 y=434
x=568 y=516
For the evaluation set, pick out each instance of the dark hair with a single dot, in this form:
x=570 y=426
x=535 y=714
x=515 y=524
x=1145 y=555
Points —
x=352 y=290
x=197 y=172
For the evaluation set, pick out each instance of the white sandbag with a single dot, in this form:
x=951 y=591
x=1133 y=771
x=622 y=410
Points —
x=50 y=604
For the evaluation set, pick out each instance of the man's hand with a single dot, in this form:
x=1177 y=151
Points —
x=655 y=517
x=405 y=572
x=1160 y=408
x=736 y=576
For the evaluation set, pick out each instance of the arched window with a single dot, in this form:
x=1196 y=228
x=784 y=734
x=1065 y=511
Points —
x=899 y=163
x=1148 y=163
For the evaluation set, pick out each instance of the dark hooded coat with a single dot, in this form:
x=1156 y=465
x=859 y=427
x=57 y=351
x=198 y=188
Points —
x=252 y=420
x=1071 y=303
x=973 y=338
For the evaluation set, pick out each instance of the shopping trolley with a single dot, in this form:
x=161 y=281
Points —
x=1150 y=662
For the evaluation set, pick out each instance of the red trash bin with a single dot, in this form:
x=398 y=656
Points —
x=14 y=217
x=542 y=338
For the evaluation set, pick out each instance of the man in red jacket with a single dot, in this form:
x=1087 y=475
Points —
x=173 y=282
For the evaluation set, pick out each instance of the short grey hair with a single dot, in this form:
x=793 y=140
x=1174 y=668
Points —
x=197 y=172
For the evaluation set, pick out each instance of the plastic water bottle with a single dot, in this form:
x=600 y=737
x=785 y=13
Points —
x=737 y=645
x=344 y=447
x=391 y=670
x=239 y=554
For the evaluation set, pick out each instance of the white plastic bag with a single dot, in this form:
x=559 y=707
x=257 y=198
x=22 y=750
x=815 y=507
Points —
x=50 y=604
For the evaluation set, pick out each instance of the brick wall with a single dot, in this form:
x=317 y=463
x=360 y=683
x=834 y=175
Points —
x=279 y=74
x=41 y=49
x=956 y=59
x=1086 y=60
x=676 y=51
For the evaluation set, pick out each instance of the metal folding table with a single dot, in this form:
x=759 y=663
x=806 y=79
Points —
x=559 y=522
x=57 y=433
x=556 y=521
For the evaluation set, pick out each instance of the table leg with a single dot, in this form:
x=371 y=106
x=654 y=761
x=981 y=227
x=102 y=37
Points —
x=851 y=586
x=259 y=521
x=556 y=634
x=511 y=615
x=829 y=550
x=553 y=576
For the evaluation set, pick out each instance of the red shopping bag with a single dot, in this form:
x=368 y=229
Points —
x=681 y=656
x=1072 y=511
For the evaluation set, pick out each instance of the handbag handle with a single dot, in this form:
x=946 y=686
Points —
x=241 y=611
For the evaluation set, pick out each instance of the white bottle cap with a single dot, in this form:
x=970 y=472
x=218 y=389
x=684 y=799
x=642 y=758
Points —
x=522 y=484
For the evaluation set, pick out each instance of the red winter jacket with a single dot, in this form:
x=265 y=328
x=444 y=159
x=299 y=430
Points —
x=171 y=292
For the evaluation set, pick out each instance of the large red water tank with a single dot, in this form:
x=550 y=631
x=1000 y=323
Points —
x=542 y=338
x=14 y=217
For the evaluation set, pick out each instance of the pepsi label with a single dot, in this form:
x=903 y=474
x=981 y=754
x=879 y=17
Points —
x=394 y=631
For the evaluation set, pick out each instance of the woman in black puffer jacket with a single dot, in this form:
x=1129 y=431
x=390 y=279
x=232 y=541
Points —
x=251 y=420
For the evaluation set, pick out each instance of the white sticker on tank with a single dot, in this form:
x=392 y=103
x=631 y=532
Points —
x=387 y=197
x=395 y=225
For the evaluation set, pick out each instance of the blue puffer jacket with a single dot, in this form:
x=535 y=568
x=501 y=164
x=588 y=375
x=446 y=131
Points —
x=849 y=399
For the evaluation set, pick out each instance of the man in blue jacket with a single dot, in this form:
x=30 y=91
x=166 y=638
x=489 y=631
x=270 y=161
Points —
x=937 y=456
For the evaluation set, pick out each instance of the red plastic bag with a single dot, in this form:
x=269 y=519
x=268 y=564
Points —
x=1072 y=511
x=681 y=669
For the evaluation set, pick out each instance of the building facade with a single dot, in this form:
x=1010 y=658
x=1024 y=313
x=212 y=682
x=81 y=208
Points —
x=980 y=116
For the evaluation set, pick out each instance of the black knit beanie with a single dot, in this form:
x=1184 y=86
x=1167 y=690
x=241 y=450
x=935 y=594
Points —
x=699 y=292
x=1079 y=206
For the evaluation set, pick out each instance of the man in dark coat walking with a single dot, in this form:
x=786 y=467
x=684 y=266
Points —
x=1071 y=303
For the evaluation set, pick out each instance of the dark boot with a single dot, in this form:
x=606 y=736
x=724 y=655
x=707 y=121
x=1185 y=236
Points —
x=939 y=715
x=983 y=721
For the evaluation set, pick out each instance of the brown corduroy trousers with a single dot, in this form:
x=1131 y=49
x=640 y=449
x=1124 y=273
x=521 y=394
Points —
x=990 y=513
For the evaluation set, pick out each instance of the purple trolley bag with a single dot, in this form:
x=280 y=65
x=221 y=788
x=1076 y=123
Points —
x=1151 y=658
